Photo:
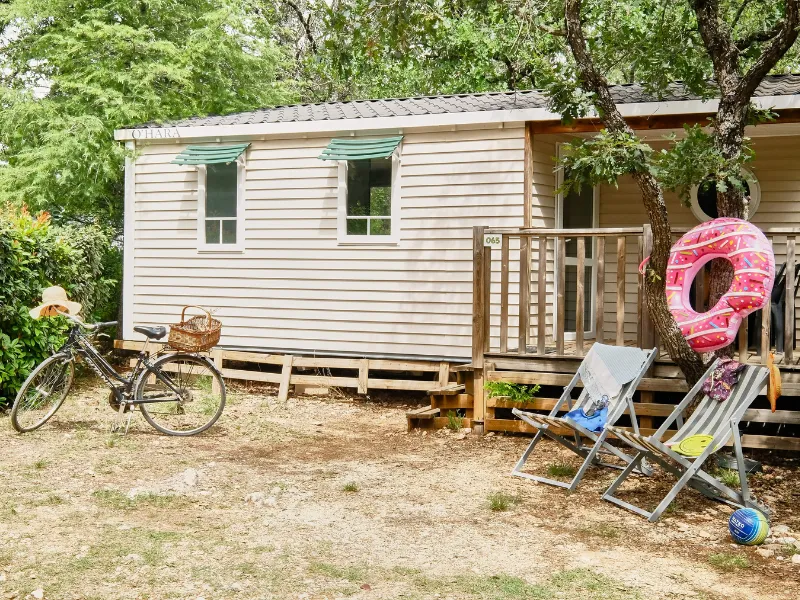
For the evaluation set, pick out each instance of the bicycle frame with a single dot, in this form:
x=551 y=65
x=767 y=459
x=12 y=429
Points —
x=79 y=344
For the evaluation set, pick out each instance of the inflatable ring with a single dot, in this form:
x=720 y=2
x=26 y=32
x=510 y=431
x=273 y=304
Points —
x=750 y=252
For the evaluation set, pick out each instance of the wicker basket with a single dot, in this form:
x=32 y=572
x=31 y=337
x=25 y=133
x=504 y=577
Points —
x=198 y=334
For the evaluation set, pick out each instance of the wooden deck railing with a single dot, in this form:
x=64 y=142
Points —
x=520 y=305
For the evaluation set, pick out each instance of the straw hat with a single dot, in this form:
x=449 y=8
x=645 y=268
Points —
x=774 y=384
x=54 y=300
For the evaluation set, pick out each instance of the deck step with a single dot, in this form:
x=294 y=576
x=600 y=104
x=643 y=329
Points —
x=448 y=390
x=427 y=415
x=426 y=412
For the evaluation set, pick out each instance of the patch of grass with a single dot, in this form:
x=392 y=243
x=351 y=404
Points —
x=40 y=464
x=500 y=501
x=729 y=477
x=725 y=561
x=52 y=500
x=561 y=470
x=351 y=573
x=571 y=584
x=601 y=530
x=115 y=499
x=454 y=422
x=350 y=486
x=112 y=440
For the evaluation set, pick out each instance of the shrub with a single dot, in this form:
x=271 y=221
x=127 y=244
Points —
x=516 y=392
x=35 y=254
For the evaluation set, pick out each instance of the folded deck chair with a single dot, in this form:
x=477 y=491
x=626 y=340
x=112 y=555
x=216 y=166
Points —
x=717 y=419
x=630 y=365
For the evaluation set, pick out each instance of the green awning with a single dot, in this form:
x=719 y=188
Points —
x=360 y=149
x=209 y=155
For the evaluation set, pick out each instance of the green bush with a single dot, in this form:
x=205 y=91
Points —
x=35 y=254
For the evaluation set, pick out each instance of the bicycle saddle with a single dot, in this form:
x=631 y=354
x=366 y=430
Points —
x=153 y=333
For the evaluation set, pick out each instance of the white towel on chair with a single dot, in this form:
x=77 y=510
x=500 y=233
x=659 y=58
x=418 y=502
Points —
x=607 y=368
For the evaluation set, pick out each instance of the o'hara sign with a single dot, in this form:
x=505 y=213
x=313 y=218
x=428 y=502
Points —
x=155 y=133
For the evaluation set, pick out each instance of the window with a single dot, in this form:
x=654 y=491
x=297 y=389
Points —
x=221 y=206
x=704 y=198
x=369 y=197
x=368 y=201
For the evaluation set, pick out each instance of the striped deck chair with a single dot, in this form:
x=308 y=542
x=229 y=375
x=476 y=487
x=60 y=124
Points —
x=718 y=419
x=590 y=452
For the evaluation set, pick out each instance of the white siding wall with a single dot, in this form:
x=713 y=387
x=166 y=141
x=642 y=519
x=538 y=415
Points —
x=294 y=287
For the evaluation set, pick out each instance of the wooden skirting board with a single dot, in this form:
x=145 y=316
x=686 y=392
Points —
x=358 y=377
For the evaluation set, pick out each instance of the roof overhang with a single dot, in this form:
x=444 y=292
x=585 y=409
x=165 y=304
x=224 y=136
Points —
x=242 y=131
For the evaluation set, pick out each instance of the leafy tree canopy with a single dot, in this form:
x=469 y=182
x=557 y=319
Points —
x=71 y=71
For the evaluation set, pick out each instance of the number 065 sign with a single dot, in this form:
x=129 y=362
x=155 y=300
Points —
x=493 y=240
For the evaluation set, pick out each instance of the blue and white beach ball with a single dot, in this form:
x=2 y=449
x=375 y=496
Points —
x=748 y=526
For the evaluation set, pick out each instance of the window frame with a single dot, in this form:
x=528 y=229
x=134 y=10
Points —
x=755 y=199
x=202 y=245
x=342 y=237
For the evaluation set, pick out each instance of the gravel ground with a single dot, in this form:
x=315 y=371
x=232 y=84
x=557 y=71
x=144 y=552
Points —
x=329 y=497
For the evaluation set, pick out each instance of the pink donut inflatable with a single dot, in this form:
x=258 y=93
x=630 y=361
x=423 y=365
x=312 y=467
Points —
x=750 y=252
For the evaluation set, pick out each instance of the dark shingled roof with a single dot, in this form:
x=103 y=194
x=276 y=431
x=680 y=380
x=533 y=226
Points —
x=774 y=85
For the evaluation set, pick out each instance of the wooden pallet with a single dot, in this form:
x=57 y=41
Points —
x=360 y=374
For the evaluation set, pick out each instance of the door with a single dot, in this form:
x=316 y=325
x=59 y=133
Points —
x=578 y=210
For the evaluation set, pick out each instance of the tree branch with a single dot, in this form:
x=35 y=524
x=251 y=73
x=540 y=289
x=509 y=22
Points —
x=757 y=36
x=780 y=44
x=305 y=22
x=718 y=42
x=739 y=14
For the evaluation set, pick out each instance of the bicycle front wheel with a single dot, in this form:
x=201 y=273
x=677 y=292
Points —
x=185 y=398
x=43 y=393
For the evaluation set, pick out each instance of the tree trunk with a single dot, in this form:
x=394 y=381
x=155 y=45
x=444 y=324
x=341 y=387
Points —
x=672 y=339
x=728 y=137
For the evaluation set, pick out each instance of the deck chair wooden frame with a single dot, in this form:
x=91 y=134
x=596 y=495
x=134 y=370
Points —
x=590 y=454
x=719 y=419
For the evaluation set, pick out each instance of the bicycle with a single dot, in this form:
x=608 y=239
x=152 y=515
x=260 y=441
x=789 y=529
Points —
x=178 y=393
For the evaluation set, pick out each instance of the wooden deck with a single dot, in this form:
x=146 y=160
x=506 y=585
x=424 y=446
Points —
x=520 y=315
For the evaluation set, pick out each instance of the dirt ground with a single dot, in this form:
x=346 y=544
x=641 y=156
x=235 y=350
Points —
x=322 y=498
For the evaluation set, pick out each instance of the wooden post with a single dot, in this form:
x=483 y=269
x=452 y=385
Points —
x=579 y=299
x=478 y=316
x=541 y=303
x=487 y=299
x=444 y=374
x=560 y=297
x=478 y=296
x=504 y=260
x=524 y=293
x=286 y=376
x=621 y=290
x=217 y=356
x=600 y=295
x=743 y=352
x=363 y=376
x=789 y=317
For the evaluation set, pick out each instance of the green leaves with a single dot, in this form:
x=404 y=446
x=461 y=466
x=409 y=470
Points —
x=695 y=157
x=35 y=254
x=75 y=71
x=603 y=159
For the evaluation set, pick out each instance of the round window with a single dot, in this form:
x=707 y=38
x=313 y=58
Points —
x=704 y=198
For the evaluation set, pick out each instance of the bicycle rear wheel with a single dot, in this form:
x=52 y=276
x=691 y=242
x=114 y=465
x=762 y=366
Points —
x=191 y=401
x=43 y=393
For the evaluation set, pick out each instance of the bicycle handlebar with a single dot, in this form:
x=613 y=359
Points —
x=88 y=326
